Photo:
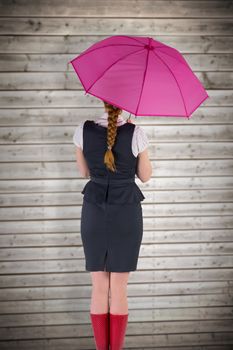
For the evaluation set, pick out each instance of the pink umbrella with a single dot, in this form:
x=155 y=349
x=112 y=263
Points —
x=140 y=75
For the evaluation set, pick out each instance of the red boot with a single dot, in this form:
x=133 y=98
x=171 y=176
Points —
x=118 y=325
x=100 y=326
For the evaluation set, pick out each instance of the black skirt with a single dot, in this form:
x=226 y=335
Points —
x=111 y=235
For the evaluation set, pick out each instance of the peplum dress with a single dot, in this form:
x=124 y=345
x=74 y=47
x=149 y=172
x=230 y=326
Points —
x=111 y=214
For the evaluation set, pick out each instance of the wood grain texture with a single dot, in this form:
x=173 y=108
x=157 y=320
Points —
x=74 y=44
x=103 y=26
x=181 y=295
x=131 y=8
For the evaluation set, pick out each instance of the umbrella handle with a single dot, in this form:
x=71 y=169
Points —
x=128 y=119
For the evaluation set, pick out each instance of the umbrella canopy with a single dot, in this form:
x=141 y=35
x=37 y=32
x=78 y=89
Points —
x=140 y=75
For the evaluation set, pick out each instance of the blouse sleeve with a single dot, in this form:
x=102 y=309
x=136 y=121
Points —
x=78 y=136
x=141 y=138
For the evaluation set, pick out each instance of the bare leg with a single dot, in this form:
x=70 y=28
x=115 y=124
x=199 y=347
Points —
x=118 y=292
x=100 y=292
x=99 y=309
x=118 y=309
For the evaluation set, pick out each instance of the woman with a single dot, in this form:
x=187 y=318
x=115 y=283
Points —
x=111 y=151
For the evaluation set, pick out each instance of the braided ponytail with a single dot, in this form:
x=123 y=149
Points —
x=113 y=113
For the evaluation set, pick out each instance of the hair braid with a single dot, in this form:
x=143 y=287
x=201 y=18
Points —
x=113 y=113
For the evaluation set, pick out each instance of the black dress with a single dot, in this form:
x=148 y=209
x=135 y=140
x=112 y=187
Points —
x=111 y=215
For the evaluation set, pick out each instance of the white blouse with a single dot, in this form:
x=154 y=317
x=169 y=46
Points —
x=139 y=141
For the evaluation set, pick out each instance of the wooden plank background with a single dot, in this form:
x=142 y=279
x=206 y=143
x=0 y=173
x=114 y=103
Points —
x=181 y=295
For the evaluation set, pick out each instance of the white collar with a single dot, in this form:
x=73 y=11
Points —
x=105 y=116
x=103 y=119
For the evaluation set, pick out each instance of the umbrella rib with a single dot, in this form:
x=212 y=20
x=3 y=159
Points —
x=120 y=59
x=101 y=47
x=165 y=53
x=144 y=75
x=130 y=37
x=174 y=78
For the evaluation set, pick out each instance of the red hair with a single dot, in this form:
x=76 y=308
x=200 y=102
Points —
x=113 y=113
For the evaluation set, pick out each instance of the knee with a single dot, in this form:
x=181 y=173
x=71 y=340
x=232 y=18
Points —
x=118 y=288
x=101 y=288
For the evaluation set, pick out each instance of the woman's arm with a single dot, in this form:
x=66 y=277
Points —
x=144 y=167
x=81 y=163
x=80 y=159
x=141 y=144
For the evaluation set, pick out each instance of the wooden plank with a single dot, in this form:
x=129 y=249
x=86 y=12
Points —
x=73 y=116
x=136 y=328
x=183 y=168
x=67 y=239
x=160 y=196
x=80 y=317
x=74 y=44
x=148 y=263
x=219 y=62
x=163 y=150
x=73 y=98
x=135 y=303
x=205 y=341
x=60 y=135
x=18 y=81
x=139 y=276
x=149 y=223
x=195 y=347
x=110 y=26
x=129 y=9
x=41 y=240
x=146 y=250
x=45 y=212
x=157 y=183
x=134 y=290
